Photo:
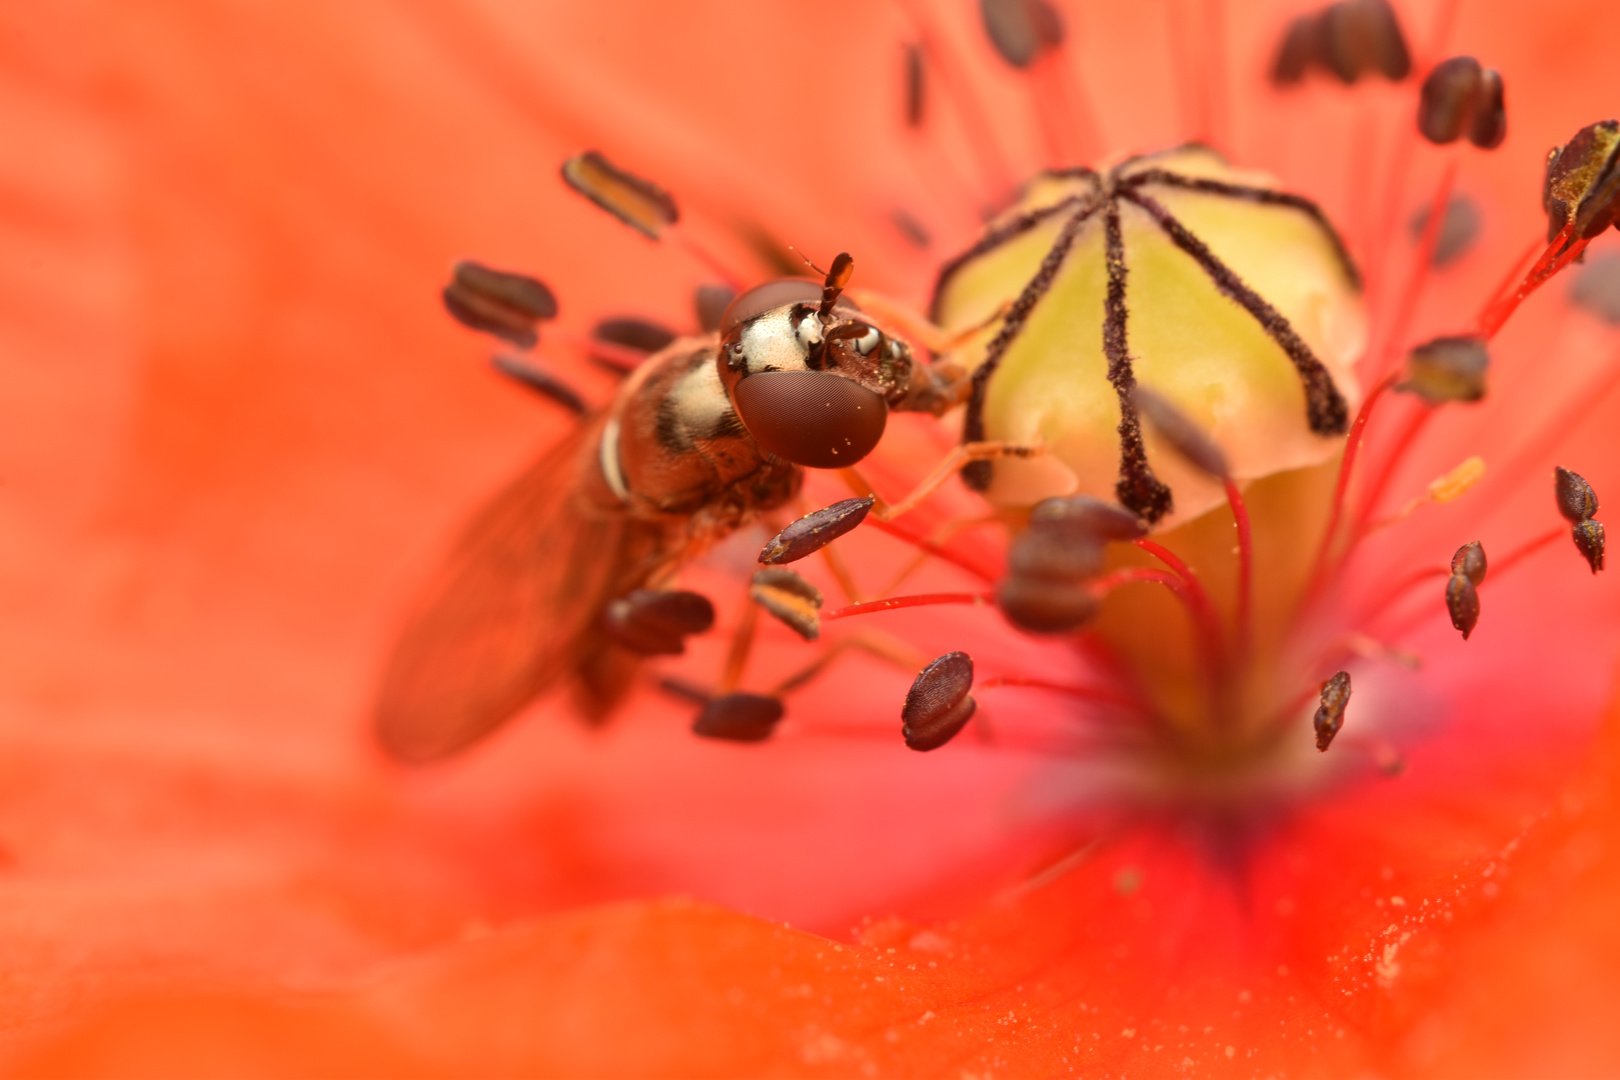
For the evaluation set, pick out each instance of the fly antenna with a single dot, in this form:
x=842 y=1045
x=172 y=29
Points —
x=843 y=267
x=808 y=261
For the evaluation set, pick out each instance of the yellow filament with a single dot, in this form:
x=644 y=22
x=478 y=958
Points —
x=1452 y=485
x=1442 y=489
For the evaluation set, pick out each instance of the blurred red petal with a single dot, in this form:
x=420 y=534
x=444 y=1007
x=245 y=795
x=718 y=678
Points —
x=1476 y=957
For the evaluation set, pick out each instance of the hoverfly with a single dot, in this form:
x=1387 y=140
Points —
x=559 y=579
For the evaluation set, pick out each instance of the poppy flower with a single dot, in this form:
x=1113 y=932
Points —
x=242 y=430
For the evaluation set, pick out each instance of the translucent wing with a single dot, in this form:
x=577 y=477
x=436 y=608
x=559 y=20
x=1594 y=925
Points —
x=512 y=610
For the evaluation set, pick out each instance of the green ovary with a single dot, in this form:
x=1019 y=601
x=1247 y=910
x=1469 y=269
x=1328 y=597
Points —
x=1212 y=359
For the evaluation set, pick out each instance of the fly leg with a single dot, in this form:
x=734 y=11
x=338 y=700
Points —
x=731 y=714
x=938 y=539
x=727 y=713
x=945 y=383
x=955 y=461
x=884 y=648
x=743 y=717
x=938 y=705
x=742 y=644
x=913 y=325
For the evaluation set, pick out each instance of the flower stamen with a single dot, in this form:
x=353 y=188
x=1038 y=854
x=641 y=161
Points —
x=938 y=704
x=1341 y=486
x=1197 y=600
x=1442 y=489
x=499 y=302
x=894 y=603
x=1330 y=713
x=1423 y=260
x=642 y=205
x=938 y=551
x=1562 y=251
x=944 y=59
x=1099 y=694
x=534 y=378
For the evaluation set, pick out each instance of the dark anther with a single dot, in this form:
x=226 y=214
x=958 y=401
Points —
x=638 y=334
x=1583 y=182
x=1055 y=551
x=1348 y=39
x=1459 y=229
x=916 y=86
x=1362 y=36
x=1330 y=713
x=1597 y=288
x=1447 y=369
x=498 y=302
x=790 y=598
x=915 y=232
x=1462 y=98
x=1462 y=603
x=1469 y=561
x=657 y=623
x=1490 y=112
x=938 y=704
x=1021 y=29
x=1447 y=100
x=738 y=718
x=1589 y=541
x=541 y=381
x=814 y=531
x=1576 y=499
x=709 y=302
x=640 y=204
x=1044 y=606
x=1302 y=48
x=812 y=418
x=1104 y=521
x=1050 y=563
x=1179 y=431
x=1579 y=504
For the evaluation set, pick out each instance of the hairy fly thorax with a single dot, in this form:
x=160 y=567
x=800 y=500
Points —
x=672 y=444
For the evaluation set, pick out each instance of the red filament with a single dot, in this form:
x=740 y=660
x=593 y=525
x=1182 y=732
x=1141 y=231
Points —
x=894 y=603
x=1552 y=260
x=1393 y=339
x=1197 y=600
x=1086 y=693
x=936 y=550
x=1347 y=465
x=1240 y=517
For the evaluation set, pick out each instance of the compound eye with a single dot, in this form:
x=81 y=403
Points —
x=774 y=294
x=763 y=298
x=811 y=418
